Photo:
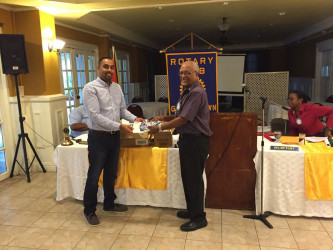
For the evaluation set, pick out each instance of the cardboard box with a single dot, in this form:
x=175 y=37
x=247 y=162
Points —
x=163 y=139
x=134 y=139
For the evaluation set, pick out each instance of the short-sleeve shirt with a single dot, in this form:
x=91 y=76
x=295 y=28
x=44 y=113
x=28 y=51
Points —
x=193 y=106
x=78 y=115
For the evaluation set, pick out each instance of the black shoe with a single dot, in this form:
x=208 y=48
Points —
x=192 y=225
x=92 y=219
x=117 y=208
x=183 y=214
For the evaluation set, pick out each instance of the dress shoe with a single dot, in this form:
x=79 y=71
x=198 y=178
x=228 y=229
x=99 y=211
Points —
x=183 y=214
x=193 y=225
x=119 y=208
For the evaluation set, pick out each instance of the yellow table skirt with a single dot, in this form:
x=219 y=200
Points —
x=318 y=170
x=141 y=168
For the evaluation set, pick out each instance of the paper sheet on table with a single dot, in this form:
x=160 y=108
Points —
x=315 y=139
x=83 y=137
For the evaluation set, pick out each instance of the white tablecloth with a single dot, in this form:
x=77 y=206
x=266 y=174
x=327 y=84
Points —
x=152 y=109
x=284 y=185
x=72 y=167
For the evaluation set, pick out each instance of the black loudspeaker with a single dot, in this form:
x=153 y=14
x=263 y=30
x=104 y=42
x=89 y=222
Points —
x=13 y=55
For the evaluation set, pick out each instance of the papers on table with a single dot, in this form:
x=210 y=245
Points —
x=315 y=139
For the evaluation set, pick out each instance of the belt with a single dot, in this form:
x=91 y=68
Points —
x=183 y=136
x=103 y=132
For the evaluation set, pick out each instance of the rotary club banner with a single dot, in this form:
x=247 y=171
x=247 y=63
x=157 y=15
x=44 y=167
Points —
x=207 y=76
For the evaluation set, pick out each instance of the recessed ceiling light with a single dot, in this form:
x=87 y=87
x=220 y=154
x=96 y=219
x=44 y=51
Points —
x=282 y=13
x=159 y=8
x=225 y=3
x=171 y=20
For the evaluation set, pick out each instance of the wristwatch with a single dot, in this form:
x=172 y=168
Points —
x=160 y=127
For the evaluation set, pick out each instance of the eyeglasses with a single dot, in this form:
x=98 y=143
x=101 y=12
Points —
x=186 y=73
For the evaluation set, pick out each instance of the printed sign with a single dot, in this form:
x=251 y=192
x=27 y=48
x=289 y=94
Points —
x=207 y=76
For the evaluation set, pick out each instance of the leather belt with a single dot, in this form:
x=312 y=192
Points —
x=103 y=132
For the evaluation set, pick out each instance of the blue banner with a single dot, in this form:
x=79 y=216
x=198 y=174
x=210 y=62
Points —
x=207 y=76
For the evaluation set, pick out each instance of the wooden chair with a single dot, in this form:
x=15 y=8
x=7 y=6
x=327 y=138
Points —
x=163 y=99
x=135 y=110
x=137 y=99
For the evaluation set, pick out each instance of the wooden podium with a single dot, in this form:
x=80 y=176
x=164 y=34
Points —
x=230 y=170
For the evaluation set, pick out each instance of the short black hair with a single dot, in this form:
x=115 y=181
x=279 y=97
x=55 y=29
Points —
x=102 y=58
x=301 y=95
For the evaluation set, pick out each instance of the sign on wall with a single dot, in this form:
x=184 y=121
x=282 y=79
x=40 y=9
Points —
x=207 y=76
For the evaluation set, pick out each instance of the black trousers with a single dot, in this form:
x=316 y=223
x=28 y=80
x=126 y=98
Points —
x=193 y=151
x=103 y=154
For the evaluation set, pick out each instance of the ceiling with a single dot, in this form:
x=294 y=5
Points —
x=157 y=24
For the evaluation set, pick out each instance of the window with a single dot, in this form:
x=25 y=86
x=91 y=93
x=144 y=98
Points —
x=3 y=167
x=324 y=70
x=124 y=72
x=78 y=67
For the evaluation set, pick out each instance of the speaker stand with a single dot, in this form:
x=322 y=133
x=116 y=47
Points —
x=23 y=136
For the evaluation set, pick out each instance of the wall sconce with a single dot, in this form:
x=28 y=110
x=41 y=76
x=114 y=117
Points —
x=55 y=45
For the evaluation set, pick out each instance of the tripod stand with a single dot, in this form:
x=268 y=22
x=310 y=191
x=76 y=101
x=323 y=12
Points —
x=262 y=216
x=23 y=136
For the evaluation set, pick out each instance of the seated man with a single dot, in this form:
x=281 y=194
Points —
x=78 y=120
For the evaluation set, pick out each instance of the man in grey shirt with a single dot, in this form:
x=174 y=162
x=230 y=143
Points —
x=192 y=123
x=105 y=104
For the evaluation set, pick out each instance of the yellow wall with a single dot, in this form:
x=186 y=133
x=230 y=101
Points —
x=43 y=76
x=101 y=42
x=51 y=65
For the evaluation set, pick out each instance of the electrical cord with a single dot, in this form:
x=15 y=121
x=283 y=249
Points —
x=40 y=135
x=226 y=148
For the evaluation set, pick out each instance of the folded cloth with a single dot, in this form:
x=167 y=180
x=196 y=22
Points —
x=318 y=171
x=141 y=168
x=290 y=140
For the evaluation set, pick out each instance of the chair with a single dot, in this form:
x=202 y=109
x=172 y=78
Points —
x=163 y=99
x=137 y=99
x=135 y=110
x=329 y=99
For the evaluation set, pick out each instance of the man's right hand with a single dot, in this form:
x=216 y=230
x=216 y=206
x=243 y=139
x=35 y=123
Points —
x=158 y=118
x=126 y=128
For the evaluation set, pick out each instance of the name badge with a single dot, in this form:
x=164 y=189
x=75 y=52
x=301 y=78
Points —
x=178 y=106
x=299 y=121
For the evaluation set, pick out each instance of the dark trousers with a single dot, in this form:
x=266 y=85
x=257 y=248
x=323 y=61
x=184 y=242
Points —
x=193 y=151
x=103 y=153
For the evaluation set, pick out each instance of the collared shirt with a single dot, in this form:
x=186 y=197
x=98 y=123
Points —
x=193 y=106
x=308 y=117
x=105 y=105
x=78 y=115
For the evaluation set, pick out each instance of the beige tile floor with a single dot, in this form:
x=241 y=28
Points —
x=30 y=218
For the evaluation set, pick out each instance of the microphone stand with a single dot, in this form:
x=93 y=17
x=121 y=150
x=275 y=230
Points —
x=262 y=216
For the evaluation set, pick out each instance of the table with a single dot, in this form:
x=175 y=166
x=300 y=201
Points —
x=72 y=167
x=152 y=109
x=284 y=185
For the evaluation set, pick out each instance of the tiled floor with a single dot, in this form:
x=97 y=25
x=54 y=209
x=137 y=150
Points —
x=30 y=218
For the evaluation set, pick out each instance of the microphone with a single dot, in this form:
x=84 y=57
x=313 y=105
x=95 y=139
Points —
x=246 y=89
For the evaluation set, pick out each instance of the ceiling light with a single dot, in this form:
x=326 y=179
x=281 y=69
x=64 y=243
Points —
x=282 y=13
x=224 y=26
x=159 y=8
x=225 y=3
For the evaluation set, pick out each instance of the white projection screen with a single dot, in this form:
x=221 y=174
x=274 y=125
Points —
x=230 y=70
